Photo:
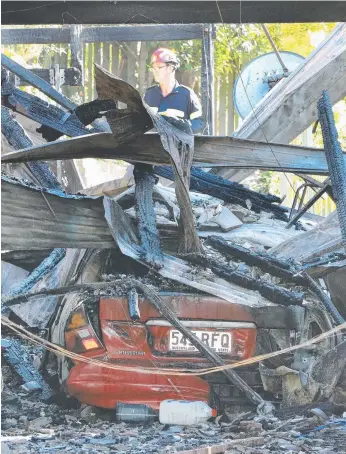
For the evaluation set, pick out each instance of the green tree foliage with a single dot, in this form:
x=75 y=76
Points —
x=236 y=45
x=300 y=38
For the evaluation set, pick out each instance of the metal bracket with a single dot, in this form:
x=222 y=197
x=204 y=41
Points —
x=16 y=81
x=62 y=77
x=324 y=187
x=51 y=76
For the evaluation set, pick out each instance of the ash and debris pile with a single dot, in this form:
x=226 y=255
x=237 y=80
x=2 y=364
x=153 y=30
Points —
x=32 y=426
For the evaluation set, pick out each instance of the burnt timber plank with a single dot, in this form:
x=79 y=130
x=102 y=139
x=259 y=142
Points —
x=17 y=137
x=77 y=49
x=207 y=79
x=210 y=151
x=291 y=106
x=35 y=36
x=188 y=12
x=27 y=260
x=46 y=114
x=33 y=219
x=103 y=34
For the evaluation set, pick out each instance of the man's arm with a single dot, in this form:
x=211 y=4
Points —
x=195 y=113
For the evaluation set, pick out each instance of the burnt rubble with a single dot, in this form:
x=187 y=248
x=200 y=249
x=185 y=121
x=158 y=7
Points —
x=223 y=241
x=30 y=426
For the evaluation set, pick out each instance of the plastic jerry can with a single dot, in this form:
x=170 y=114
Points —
x=136 y=413
x=184 y=412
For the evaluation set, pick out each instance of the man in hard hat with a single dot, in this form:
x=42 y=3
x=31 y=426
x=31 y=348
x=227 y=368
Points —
x=169 y=97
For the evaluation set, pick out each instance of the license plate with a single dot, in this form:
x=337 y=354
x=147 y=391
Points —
x=219 y=341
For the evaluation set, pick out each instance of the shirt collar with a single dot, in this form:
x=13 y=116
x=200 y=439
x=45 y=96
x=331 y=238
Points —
x=175 y=89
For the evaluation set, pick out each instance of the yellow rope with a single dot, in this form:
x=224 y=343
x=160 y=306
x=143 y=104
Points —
x=22 y=332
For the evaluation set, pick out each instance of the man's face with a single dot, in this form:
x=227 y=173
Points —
x=161 y=72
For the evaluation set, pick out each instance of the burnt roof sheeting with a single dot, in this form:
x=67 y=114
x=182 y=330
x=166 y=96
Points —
x=164 y=12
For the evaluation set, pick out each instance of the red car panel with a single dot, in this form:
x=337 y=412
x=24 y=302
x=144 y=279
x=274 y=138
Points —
x=146 y=343
x=102 y=387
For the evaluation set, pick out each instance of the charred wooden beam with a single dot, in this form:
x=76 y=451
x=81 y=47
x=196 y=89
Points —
x=13 y=131
x=229 y=191
x=334 y=155
x=56 y=120
x=16 y=299
x=28 y=260
x=209 y=152
x=273 y=293
x=90 y=111
x=15 y=355
x=277 y=267
x=189 y=12
x=37 y=82
x=177 y=139
x=147 y=229
x=207 y=78
x=102 y=34
x=18 y=138
x=38 y=273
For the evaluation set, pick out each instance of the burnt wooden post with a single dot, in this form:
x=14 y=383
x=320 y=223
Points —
x=98 y=61
x=77 y=51
x=207 y=78
x=77 y=59
x=16 y=136
x=115 y=58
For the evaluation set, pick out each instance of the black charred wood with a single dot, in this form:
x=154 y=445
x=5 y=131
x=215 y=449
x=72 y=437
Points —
x=37 y=82
x=147 y=229
x=49 y=134
x=326 y=301
x=335 y=159
x=15 y=355
x=88 y=112
x=272 y=292
x=18 y=139
x=230 y=192
x=276 y=267
x=51 y=117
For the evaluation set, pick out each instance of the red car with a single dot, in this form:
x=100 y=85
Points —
x=103 y=329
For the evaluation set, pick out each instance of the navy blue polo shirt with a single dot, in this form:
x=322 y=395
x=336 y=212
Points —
x=182 y=102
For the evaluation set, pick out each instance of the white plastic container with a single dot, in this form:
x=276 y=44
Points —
x=184 y=412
